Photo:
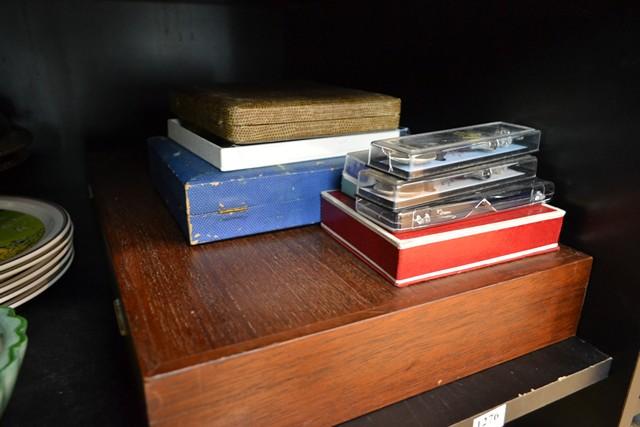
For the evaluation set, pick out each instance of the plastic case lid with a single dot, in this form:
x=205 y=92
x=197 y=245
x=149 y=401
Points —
x=455 y=208
x=355 y=161
x=431 y=153
x=396 y=193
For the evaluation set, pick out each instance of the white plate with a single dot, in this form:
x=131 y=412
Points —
x=9 y=290
x=34 y=292
x=55 y=221
x=20 y=271
x=27 y=286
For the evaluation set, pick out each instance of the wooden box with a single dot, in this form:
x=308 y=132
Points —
x=289 y=328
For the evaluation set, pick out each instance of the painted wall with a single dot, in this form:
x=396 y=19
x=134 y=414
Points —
x=87 y=72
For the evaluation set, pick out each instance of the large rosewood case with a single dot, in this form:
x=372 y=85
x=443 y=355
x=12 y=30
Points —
x=290 y=328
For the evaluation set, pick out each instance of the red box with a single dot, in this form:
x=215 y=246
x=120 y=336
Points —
x=415 y=256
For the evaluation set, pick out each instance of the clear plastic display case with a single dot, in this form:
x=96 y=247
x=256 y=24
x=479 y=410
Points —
x=425 y=154
x=497 y=198
x=353 y=163
x=396 y=193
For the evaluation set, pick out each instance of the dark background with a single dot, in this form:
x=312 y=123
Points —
x=87 y=75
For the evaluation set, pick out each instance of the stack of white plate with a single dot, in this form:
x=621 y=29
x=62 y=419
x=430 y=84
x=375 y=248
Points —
x=36 y=248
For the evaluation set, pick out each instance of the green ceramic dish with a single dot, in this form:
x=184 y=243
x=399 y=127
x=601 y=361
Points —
x=13 y=344
x=18 y=232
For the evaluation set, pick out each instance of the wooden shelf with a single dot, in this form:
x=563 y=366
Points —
x=288 y=327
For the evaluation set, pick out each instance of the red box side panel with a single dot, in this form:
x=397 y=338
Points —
x=376 y=248
x=467 y=250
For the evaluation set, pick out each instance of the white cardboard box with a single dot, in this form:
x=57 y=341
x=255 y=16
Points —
x=236 y=157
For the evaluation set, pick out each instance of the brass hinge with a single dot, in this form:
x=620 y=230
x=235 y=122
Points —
x=120 y=317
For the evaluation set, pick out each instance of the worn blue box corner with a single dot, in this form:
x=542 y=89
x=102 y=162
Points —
x=211 y=205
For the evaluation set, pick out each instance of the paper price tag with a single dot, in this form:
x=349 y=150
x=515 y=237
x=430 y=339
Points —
x=493 y=418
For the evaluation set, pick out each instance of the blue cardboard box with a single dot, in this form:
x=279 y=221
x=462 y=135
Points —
x=211 y=205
